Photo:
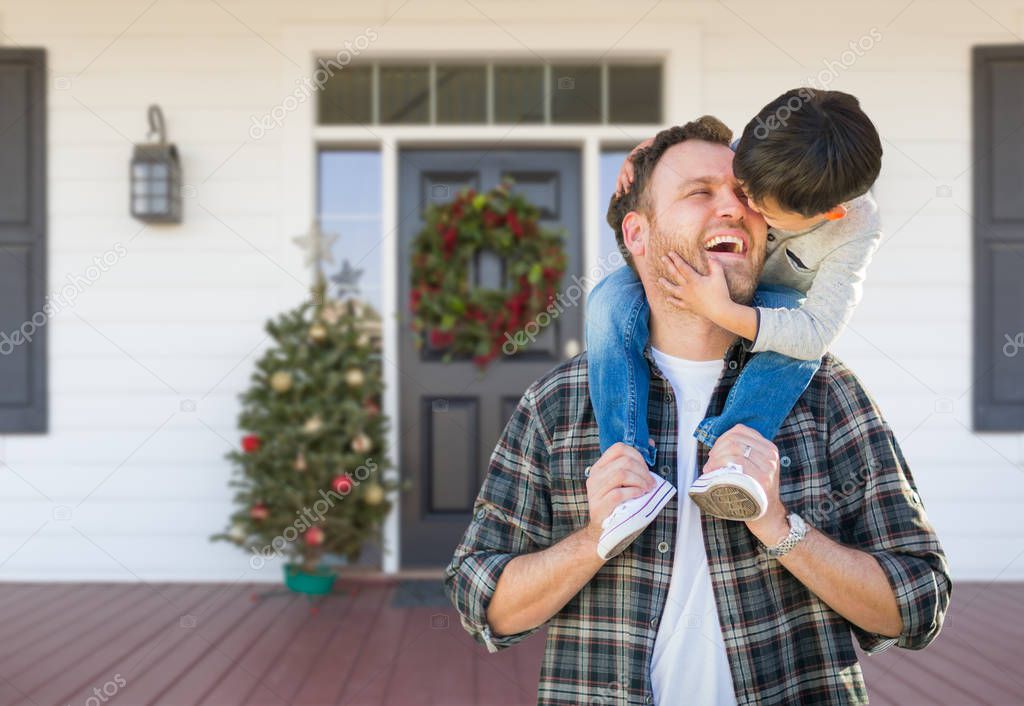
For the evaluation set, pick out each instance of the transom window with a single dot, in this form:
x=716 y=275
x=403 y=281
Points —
x=487 y=93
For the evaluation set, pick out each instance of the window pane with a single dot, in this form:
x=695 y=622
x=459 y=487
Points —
x=346 y=97
x=350 y=207
x=404 y=94
x=461 y=94
x=575 y=94
x=518 y=94
x=611 y=162
x=634 y=94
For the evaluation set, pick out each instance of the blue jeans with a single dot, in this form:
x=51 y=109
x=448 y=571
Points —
x=619 y=377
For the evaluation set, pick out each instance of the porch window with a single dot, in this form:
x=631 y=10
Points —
x=611 y=162
x=583 y=92
x=349 y=205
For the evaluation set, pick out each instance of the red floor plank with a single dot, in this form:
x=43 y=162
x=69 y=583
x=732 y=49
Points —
x=204 y=676
x=247 y=676
x=184 y=644
x=117 y=648
x=299 y=658
x=334 y=665
x=70 y=639
x=36 y=660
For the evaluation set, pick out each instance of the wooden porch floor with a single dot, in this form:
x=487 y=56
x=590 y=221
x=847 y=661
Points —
x=380 y=642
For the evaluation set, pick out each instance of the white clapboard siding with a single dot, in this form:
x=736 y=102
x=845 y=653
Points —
x=147 y=363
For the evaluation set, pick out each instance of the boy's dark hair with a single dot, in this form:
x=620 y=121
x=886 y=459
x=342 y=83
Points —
x=809 y=150
x=707 y=128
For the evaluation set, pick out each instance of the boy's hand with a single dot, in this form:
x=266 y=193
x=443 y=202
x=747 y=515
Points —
x=705 y=295
x=626 y=173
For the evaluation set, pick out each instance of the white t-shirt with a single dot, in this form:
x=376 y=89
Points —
x=689 y=664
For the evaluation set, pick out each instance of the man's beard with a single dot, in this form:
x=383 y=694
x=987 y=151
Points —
x=742 y=281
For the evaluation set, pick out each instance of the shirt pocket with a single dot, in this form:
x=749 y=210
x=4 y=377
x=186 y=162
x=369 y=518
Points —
x=570 y=509
x=805 y=486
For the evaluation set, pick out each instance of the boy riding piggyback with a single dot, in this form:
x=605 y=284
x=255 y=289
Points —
x=805 y=163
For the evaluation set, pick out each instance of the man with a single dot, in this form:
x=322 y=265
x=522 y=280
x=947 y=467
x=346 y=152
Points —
x=699 y=609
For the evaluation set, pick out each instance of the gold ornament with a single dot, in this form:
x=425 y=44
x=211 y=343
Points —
x=331 y=313
x=313 y=425
x=238 y=533
x=318 y=333
x=373 y=494
x=354 y=377
x=281 y=381
x=362 y=444
x=300 y=463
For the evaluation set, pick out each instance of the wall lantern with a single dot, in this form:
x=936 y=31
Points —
x=156 y=176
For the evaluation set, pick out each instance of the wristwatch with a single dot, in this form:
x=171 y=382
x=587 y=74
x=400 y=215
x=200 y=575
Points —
x=797 y=531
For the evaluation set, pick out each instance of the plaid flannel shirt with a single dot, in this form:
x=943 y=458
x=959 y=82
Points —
x=841 y=470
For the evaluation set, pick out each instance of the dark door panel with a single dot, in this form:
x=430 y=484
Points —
x=451 y=417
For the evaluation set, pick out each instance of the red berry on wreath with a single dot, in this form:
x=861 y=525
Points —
x=258 y=512
x=342 y=485
x=314 y=536
x=251 y=443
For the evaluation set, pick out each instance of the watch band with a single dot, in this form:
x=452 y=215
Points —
x=797 y=531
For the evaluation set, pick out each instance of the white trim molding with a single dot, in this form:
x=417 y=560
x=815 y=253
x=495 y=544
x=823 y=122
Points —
x=676 y=44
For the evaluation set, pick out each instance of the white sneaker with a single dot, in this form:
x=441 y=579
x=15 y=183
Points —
x=631 y=518
x=729 y=493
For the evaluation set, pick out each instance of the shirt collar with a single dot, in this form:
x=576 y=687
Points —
x=735 y=358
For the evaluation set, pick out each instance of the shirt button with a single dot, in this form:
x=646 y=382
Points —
x=654 y=622
x=785 y=461
x=586 y=473
x=663 y=547
x=649 y=699
x=480 y=513
x=665 y=471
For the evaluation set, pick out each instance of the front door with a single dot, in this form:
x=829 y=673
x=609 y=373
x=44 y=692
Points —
x=451 y=417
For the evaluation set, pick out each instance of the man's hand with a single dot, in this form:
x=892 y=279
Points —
x=761 y=464
x=625 y=178
x=620 y=474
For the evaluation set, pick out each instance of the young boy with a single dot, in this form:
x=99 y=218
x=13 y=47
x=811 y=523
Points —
x=805 y=163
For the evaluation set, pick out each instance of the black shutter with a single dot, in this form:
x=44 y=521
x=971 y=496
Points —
x=999 y=238
x=22 y=240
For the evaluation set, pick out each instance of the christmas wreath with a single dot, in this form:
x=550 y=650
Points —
x=464 y=320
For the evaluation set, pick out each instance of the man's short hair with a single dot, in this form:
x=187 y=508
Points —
x=809 y=150
x=707 y=128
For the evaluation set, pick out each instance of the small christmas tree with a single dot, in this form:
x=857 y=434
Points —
x=310 y=471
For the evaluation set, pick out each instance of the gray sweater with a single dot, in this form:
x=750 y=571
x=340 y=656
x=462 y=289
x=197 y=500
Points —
x=828 y=262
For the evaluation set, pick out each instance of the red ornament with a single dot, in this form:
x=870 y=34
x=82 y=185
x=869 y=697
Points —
x=251 y=443
x=314 y=536
x=342 y=485
x=259 y=512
